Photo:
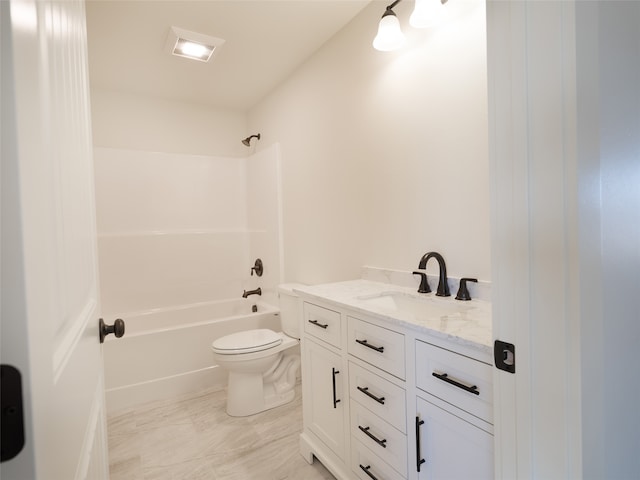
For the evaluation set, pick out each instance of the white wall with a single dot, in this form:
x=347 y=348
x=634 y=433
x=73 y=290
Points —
x=177 y=229
x=138 y=122
x=384 y=155
x=172 y=228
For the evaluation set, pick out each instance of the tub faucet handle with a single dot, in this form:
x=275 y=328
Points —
x=258 y=268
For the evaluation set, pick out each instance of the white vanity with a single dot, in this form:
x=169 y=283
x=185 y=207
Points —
x=396 y=385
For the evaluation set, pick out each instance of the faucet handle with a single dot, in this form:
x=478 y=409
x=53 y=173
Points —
x=258 y=267
x=463 y=293
x=424 y=285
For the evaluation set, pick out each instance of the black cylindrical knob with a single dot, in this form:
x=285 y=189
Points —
x=117 y=329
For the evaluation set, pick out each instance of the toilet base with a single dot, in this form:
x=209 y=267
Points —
x=251 y=393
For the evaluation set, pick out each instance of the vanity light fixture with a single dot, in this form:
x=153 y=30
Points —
x=193 y=45
x=390 y=36
x=426 y=13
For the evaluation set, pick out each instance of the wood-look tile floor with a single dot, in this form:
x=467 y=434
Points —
x=192 y=438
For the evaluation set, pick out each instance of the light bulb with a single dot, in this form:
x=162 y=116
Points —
x=390 y=36
x=426 y=13
x=192 y=49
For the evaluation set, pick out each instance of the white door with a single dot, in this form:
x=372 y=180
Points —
x=50 y=301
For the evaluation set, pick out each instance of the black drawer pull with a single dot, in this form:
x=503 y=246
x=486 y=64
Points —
x=445 y=378
x=365 y=390
x=334 y=372
x=419 y=461
x=366 y=344
x=366 y=470
x=318 y=324
x=382 y=442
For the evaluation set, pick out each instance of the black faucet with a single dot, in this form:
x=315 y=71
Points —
x=443 y=283
x=257 y=291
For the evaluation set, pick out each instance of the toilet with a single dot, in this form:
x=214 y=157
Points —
x=261 y=364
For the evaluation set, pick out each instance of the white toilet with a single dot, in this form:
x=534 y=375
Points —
x=262 y=368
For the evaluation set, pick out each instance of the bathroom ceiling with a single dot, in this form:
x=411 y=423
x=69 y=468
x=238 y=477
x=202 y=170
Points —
x=266 y=40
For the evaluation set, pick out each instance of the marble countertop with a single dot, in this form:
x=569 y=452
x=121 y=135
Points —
x=466 y=323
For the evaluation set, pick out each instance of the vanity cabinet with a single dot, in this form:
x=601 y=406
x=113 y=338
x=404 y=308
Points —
x=382 y=401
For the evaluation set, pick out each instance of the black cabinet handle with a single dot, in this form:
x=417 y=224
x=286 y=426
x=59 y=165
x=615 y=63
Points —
x=445 y=378
x=334 y=372
x=365 y=390
x=366 y=344
x=318 y=324
x=419 y=461
x=382 y=442
x=366 y=470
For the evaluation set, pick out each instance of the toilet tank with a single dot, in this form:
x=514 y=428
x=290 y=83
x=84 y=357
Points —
x=290 y=309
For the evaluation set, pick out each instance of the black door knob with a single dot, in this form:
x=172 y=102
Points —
x=117 y=329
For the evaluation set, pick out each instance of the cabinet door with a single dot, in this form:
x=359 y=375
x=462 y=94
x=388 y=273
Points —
x=451 y=447
x=324 y=377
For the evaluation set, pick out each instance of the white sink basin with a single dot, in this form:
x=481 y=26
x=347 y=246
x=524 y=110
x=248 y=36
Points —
x=421 y=308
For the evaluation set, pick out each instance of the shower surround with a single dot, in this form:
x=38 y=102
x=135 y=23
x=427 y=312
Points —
x=178 y=230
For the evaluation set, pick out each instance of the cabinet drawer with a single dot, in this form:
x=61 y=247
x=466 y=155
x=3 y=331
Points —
x=378 y=346
x=367 y=465
x=456 y=375
x=380 y=437
x=378 y=395
x=322 y=323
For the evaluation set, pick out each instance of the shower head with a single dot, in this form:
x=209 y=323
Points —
x=247 y=141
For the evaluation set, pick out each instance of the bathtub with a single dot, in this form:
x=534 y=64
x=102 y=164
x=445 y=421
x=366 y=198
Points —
x=167 y=352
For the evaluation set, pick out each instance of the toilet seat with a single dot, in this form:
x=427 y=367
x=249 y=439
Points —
x=249 y=341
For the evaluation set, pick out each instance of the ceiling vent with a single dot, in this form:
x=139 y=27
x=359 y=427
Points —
x=193 y=45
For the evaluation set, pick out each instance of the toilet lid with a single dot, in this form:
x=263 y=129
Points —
x=247 y=342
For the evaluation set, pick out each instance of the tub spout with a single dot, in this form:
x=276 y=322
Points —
x=257 y=291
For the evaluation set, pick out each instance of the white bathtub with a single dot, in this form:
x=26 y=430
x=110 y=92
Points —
x=167 y=352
